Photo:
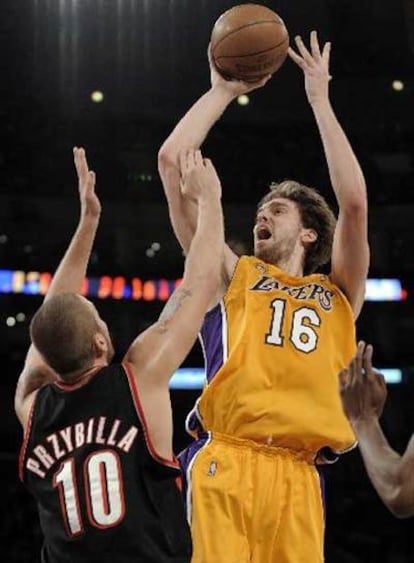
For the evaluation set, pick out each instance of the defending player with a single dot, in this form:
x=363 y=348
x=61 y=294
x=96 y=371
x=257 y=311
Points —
x=363 y=393
x=97 y=452
x=274 y=341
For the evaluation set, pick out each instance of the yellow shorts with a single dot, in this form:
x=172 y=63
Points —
x=252 y=503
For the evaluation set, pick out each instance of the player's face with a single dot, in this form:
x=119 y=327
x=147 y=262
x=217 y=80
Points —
x=277 y=230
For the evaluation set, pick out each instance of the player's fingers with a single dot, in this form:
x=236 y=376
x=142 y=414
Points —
x=358 y=359
x=198 y=158
x=85 y=160
x=367 y=360
x=91 y=180
x=296 y=58
x=264 y=80
x=76 y=158
x=303 y=50
x=326 y=52
x=314 y=43
x=82 y=164
x=257 y=83
x=343 y=377
x=351 y=372
x=183 y=161
x=380 y=379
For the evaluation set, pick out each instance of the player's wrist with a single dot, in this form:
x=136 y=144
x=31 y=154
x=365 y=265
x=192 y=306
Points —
x=363 y=423
x=320 y=103
x=209 y=198
x=88 y=219
x=223 y=91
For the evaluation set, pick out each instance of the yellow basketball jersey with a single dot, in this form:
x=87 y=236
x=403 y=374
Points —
x=273 y=349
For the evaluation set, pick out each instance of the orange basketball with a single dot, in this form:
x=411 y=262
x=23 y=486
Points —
x=248 y=42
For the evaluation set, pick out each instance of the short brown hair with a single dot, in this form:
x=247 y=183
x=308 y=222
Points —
x=315 y=214
x=62 y=330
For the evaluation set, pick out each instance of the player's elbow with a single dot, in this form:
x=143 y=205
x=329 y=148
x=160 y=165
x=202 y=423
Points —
x=355 y=205
x=399 y=496
x=167 y=158
x=401 y=500
x=401 y=507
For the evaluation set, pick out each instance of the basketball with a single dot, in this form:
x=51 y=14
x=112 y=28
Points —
x=248 y=42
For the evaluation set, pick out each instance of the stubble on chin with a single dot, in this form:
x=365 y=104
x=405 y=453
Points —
x=269 y=255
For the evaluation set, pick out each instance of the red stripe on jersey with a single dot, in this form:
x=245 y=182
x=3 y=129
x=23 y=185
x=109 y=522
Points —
x=79 y=382
x=26 y=436
x=140 y=411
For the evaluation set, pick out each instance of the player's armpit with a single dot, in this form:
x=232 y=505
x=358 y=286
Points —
x=32 y=378
x=230 y=260
x=229 y=263
x=350 y=256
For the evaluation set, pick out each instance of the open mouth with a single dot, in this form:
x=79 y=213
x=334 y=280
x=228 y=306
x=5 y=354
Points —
x=263 y=233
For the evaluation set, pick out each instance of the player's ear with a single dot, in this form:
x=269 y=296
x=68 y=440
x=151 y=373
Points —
x=99 y=342
x=309 y=236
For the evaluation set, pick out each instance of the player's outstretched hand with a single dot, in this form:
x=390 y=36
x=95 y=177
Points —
x=363 y=390
x=234 y=88
x=315 y=66
x=198 y=176
x=90 y=204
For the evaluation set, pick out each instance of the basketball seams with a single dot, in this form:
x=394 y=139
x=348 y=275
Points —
x=238 y=32
x=252 y=54
x=257 y=22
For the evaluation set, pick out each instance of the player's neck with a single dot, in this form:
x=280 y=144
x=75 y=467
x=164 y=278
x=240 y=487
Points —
x=291 y=265
x=81 y=377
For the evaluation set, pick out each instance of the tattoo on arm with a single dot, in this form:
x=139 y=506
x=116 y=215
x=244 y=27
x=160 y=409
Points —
x=172 y=306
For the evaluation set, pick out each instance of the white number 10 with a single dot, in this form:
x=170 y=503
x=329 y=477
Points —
x=103 y=490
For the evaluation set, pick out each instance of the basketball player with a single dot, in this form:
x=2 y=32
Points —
x=97 y=452
x=275 y=339
x=363 y=393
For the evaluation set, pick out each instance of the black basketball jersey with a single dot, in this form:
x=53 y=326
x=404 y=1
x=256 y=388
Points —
x=103 y=493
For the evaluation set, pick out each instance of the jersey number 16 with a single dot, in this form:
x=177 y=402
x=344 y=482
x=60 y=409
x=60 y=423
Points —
x=302 y=333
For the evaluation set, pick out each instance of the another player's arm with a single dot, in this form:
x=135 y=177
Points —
x=67 y=278
x=350 y=253
x=190 y=133
x=363 y=394
x=35 y=374
x=158 y=352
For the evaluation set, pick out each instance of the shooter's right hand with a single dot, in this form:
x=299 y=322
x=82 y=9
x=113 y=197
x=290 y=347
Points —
x=234 y=88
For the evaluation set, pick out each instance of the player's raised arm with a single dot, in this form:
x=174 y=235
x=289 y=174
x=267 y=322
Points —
x=160 y=350
x=68 y=278
x=363 y=393
x=72 y=268
x=350 y=253
x=189 y=134
x=157 y=353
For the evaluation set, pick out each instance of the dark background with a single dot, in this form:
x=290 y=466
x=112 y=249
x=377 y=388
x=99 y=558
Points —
x=149 y=59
